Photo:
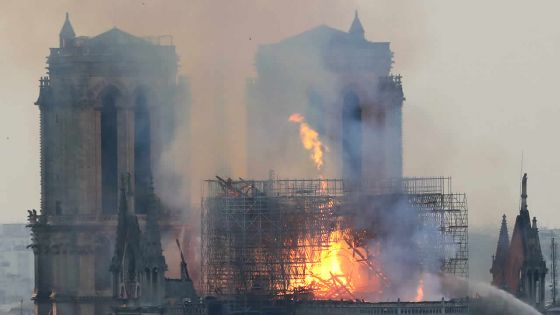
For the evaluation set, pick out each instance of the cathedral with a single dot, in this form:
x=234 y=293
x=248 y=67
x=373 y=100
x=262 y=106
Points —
x=108 y=110
x=518 y=265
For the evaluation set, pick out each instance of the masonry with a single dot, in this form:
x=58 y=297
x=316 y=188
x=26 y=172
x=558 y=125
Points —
x=107 y=111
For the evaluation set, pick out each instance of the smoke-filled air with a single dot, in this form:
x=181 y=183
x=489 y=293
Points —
x=279 y=157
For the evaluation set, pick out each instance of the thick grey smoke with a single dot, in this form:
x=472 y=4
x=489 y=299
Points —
x=410 y=254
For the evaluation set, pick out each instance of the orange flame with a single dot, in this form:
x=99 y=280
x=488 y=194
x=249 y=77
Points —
x=330 y=264
x=323 y=185
x=310 y=140
x=420 y=291
x=339 y=271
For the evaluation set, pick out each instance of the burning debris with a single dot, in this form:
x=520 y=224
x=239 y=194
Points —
x=298 y=239
x=343 y=267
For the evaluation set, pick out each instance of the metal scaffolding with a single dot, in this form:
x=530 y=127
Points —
x=448 y=211
x=259 y=238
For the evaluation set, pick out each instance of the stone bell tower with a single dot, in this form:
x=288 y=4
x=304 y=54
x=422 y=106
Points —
x=343 y=84
x=107 y=109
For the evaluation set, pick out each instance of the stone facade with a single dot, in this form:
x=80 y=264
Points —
x=328 y=307
x=138 y=266
x=107 y=109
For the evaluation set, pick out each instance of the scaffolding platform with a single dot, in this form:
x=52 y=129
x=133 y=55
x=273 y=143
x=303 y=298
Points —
x=262 y=238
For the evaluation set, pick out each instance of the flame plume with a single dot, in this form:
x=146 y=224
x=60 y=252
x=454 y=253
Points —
x=420 y=291
x=342 y=269
x=310 y=140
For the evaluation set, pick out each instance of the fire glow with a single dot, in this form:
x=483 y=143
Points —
x=345 y=268
x=339 y=273
x=420 y=291
x=310 y=140
x=340 y=270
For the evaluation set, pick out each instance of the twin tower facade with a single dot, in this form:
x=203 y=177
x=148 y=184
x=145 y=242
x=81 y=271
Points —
x=109 y=108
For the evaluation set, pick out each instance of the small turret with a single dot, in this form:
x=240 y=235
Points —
x=152 y=247
x=503 y=241
x=534 y=223
x=66 y=34
x=356 y=29
x=524 y=194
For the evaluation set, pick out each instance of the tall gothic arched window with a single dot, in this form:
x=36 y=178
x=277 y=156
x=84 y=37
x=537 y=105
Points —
x=142 y=153
x=316 y=111
x=351 y=137
x=109 y=168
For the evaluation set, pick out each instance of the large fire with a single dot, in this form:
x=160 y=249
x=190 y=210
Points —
x=341 y=269
x=341 y=273
x=420 y=291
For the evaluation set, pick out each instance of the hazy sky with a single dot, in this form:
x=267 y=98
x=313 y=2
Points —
x=479 y=77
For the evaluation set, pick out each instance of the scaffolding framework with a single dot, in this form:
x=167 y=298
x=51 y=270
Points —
x=260 y=237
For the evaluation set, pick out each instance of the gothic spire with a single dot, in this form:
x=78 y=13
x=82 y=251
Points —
x=356 y=29
x=153 y=250
x=66 y=33
x=499 y=260
x=122 y=228
x=503 y=240
x=152 y=215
